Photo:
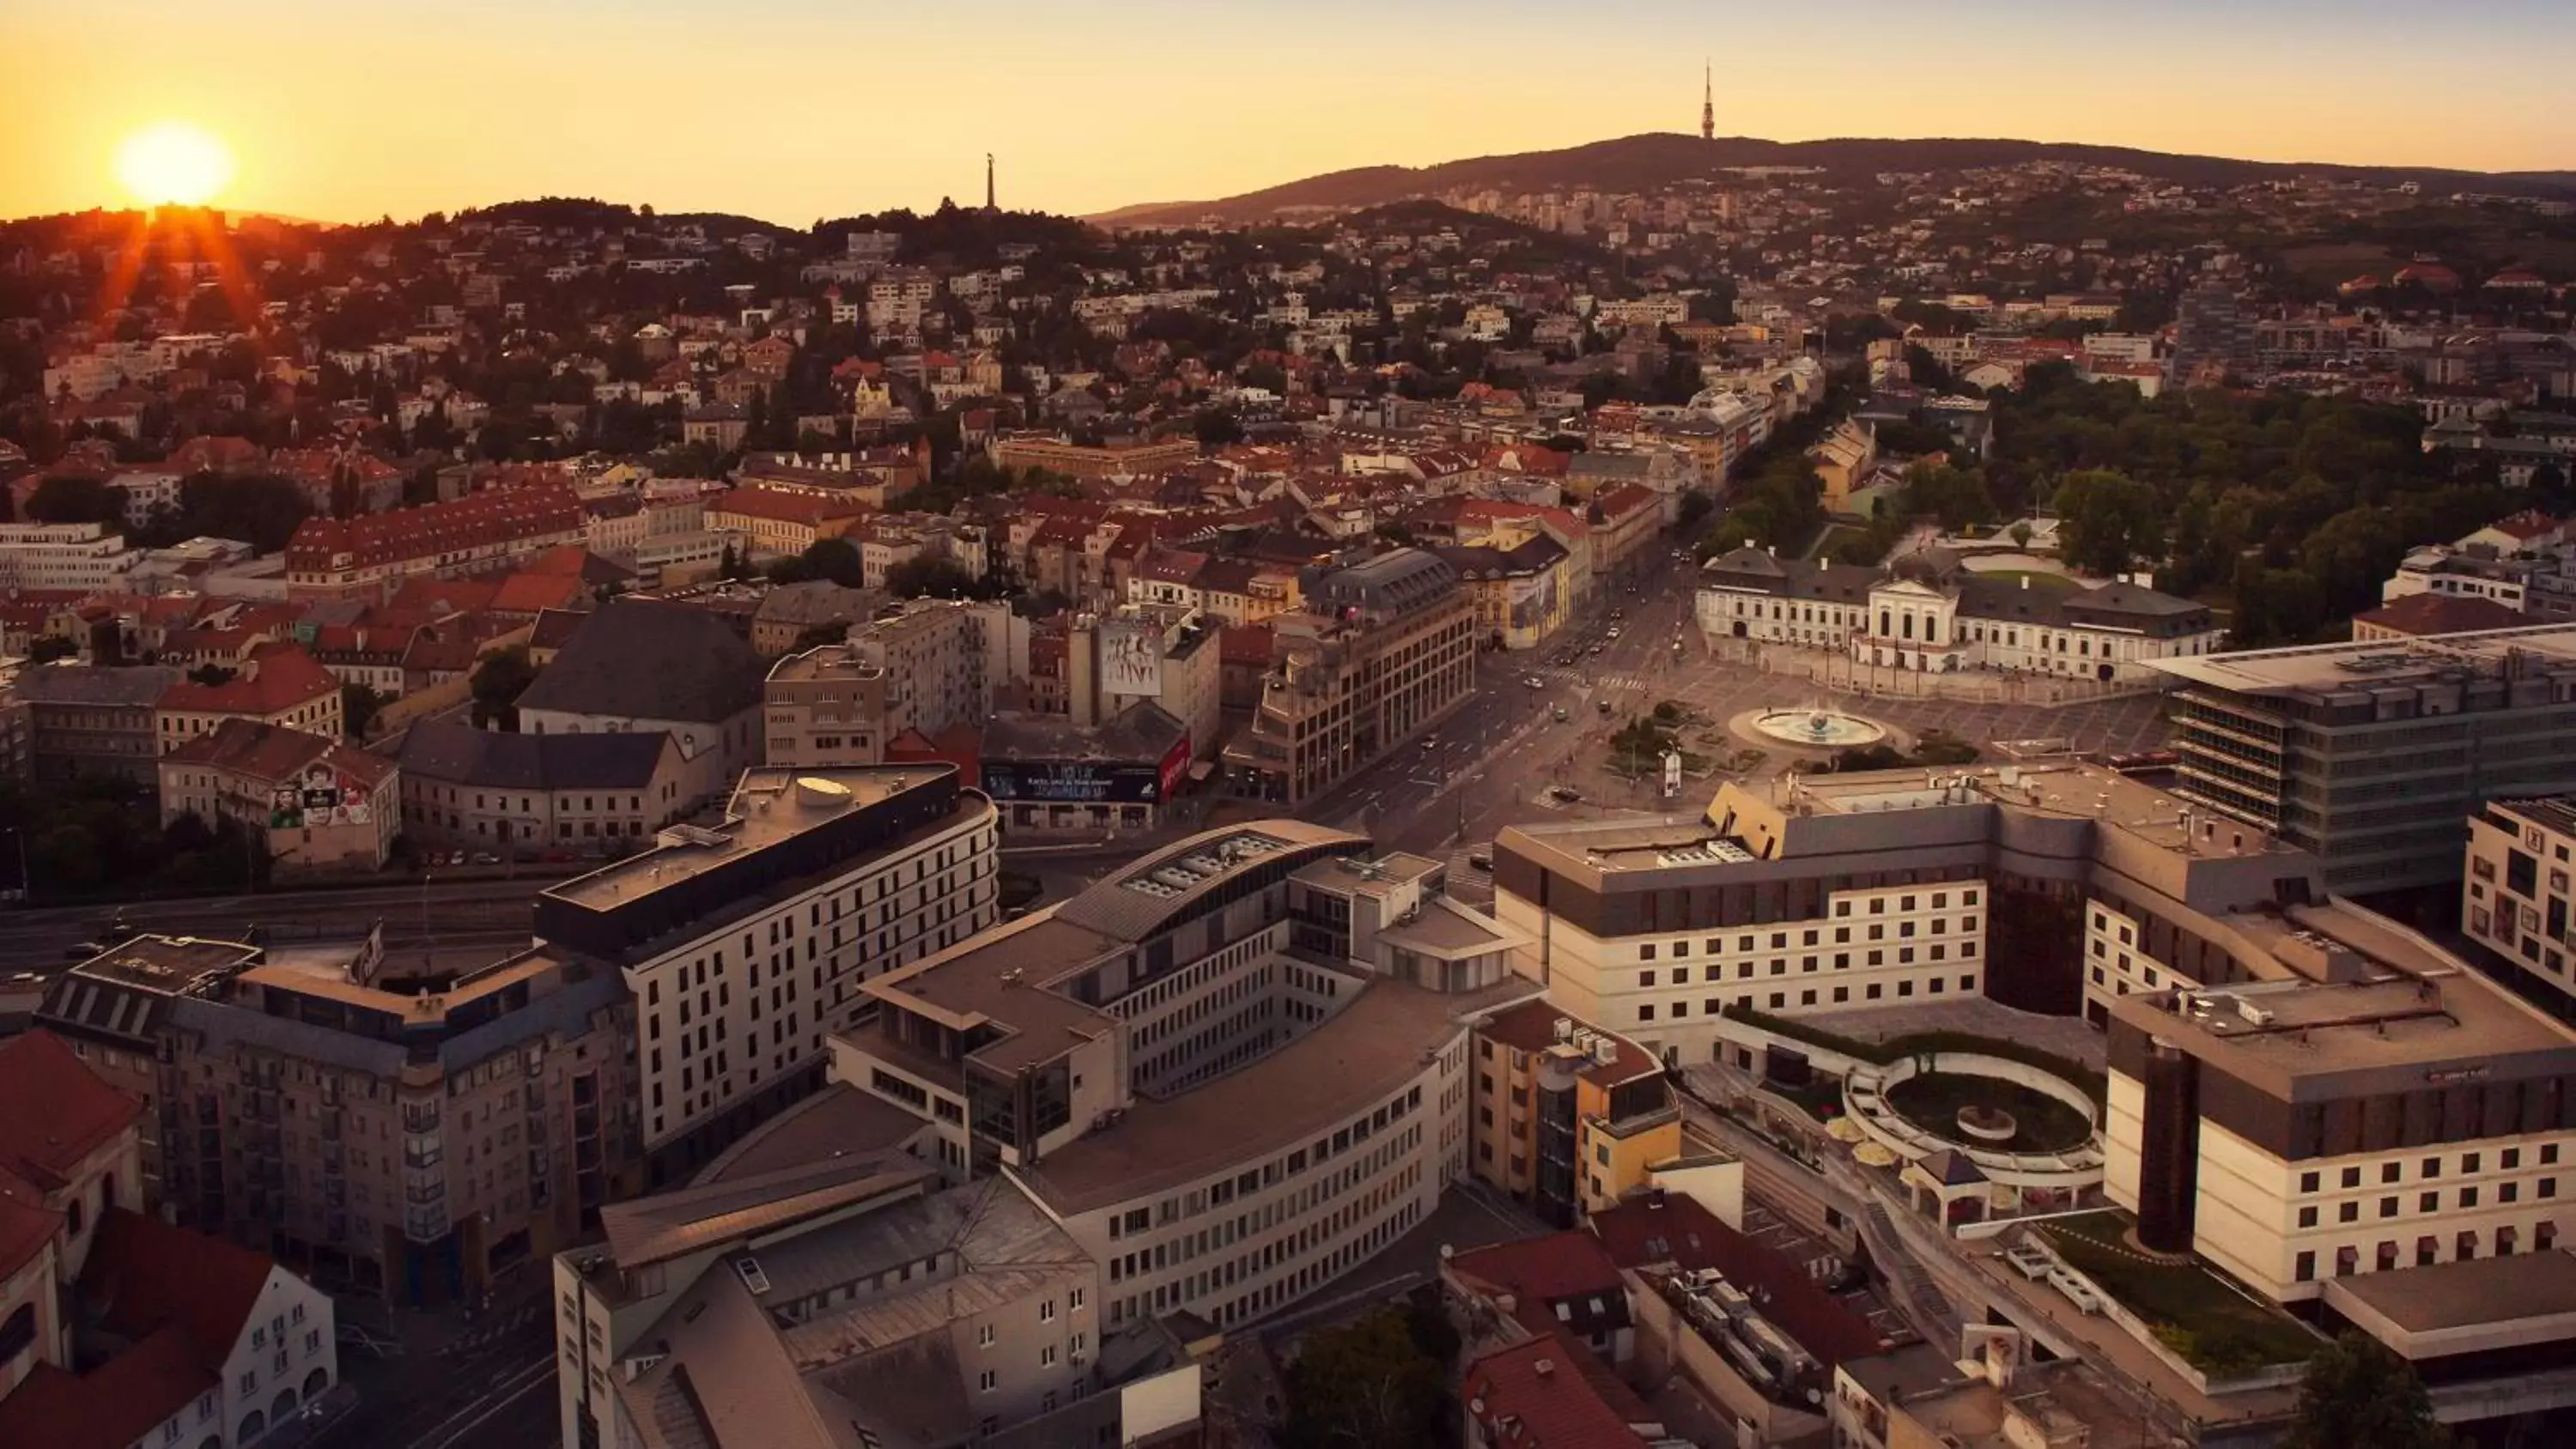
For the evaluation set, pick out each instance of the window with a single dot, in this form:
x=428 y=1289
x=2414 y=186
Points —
x=2352 y=1177
x=2307 y=1182
x=2306 y=1271
x=984 y=1336
x=2307 y=1217
x=988 y=1381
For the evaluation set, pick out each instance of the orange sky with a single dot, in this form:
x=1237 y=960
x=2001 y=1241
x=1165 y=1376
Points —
x=794 y=110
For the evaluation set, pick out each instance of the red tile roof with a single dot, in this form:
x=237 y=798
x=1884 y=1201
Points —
x=274 y=754
x=1676 y=1229
x=144 y=1275
x=1560 y=1265
x=59 y=1111
x=2423 y=614
x=274 y=679
x=804 y=508
x=1534 y=1395
x=111 y=1406
x=476 y=521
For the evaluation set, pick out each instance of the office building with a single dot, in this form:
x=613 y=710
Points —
x=1385 y=648
x=2514 y=900
x=2372 y=755
x=818 y=1289
x=77 y=557
x=744 y=944
x=1224 y=1088
x=88 y=719
x=409 y=1124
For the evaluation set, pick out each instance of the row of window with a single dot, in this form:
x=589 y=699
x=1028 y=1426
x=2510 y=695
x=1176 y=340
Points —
x=2507 y=1159
x=1842 y=961
x=2428 y=1251
x=1808 y=996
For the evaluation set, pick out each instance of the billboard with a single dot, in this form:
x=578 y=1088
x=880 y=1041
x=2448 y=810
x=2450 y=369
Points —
x=1131 y=658
x=1088 y=782
x=319 y=796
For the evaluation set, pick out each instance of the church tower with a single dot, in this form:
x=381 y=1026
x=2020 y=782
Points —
x=1708 y=104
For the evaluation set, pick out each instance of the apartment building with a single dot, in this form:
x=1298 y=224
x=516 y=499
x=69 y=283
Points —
x=2373 y=755
x=314 y=802
x=81 y=557
x=2514 y=898
x=1130 y=459
x=1223 y=1090
x=87 y=719
x=368 y=556
x=1928 y=614
x=1385 y=648
x=936 y=664
x=278 y=685
x=402 y=1124
x=1568 y=1118
x=744 y=944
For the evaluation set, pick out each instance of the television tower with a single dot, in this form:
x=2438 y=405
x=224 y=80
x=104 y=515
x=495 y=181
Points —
x=988 y=182
x=1708 y=103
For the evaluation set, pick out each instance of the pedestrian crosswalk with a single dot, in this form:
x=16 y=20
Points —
x=1576 y=678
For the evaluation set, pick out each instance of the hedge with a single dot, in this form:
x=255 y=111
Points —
x=1883 y=1052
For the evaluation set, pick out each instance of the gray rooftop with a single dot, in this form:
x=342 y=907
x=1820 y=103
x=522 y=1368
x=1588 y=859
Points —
x=649 y=659
x=454 y=752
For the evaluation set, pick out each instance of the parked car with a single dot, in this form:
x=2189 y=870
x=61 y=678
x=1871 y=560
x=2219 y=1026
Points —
x=1564 y=794
x=1559 y=712
x=1533 y=681
x=1613 y=634
x=83 y=951
x=1481 y=861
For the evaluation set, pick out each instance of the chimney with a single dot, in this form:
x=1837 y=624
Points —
x=2025 y=581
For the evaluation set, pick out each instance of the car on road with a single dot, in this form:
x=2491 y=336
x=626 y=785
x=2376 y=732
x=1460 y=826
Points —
x=1559 y=712
x=1481 y=861
x=1564 y=794
x=1603 y=704
x=83 y=951
x=1595 y=649
x=1618 y=614
x=1613 y=634
x=1533 y=681
x=485 y=857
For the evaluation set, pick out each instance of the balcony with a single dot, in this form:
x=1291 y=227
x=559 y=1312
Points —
x=422 y=1156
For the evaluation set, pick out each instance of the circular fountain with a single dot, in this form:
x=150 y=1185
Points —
x=1818 y=728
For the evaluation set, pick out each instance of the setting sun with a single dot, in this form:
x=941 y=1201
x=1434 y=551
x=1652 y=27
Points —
x=174 y=163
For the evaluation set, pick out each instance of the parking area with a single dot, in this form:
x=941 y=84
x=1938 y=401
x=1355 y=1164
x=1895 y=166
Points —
x=1772 y=1231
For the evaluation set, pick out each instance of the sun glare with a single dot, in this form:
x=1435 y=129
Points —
x=174 y=163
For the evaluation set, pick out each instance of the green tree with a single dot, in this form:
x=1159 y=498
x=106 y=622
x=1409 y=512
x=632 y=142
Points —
x=929 y=574
x=212 y=674
x=498 y=681
x=68 y=498
x=359 y=706
x=1216 y=427
x=1368 y=1385
x=2358 y=1395
x=2108 y=521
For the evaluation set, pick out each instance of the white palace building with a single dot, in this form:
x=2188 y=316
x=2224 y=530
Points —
x=1927 y=613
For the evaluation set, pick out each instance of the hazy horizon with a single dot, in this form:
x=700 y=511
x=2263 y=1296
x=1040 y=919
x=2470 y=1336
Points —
x=793 y=110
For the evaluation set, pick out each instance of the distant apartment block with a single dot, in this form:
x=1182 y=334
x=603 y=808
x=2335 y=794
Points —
x=368 y=557
x=1077 y=460
x=81 y=556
